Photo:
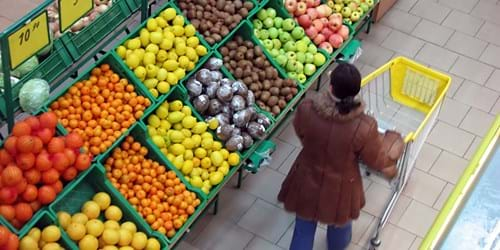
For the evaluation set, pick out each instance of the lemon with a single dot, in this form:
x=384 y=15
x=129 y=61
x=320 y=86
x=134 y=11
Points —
x=162 y=113
x=51 y=234
x=161 y=56
x=162 y=23
x=188 y=143
x=166 y=44
x=205 y=189
x=188 y=154
x=188 y=122
x=224 y=168
x=158 y=141
x=28 y=243
x=140 y=72
x=180 y=48
x=154 y=121
x=169 y=35
x=168 y=14
x=170 y=157
x=94 y=227
x=207 y=143
x=187 y=167
x=201 y=50
x=139 y=240
x=132 y=61
x=216 y=158
x=200 y=153
x=91 y=209
x=178 y=20
x=205 y=174
x=170 y=65
x=149 y=58
x=205 y=135
x=206 y=162
x=125 y=237
x=109 y=248
x=191 y=55
x=200 y=128
x=196 y=181
x=151 y=24
x=113 y=213
x=216 y=146
x=216 y=178
x=213 y=123
x=139 y=53
x=121 y=51
x=172 y=55
x=180 y=73
x=178 y=161
x=156 y=37
x=152 y=131
x=79 y=218
x=111 y=224
x=178 y=30
x=177 y=149
x=76 y=231
x=88 y=242
x=176 y=136
x=111 y=236
x=175 y=105
x=154 y=92
x=52 y=246
x=162 y=132
x=189 y=30
x=152 y=244
x=134 y=43
x=186 y=132
x=233 y=159
x=172 y=78
x=178 y=126
x=151 y=71
x=144 y=37
x=35 y=233
x=64 y=219
x=197 y=140
x=183 y=62
x=164 y=124
x=150 y=83
x=129 y=226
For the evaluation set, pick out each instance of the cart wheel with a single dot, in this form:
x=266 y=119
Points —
x=375 y=242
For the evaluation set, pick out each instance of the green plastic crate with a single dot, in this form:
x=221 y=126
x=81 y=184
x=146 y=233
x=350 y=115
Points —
x=44 y=219
x=84 y=41
x=73 y=198
x=136 y=32
x=49 y=69
x=117 y=67
x=134 y=5
x=140 y=135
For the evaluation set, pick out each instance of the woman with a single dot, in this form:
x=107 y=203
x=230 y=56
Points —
x=324 y=184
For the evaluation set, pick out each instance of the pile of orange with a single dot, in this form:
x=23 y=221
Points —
x=100 y=108
x=157 y=194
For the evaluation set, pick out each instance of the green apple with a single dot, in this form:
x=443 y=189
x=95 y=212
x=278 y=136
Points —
x=301 y=46
x=338 y=8
x=319 y=59
x=281 y=59
x=339 y=1
x=276 y=44
x=298 y=33
x=273 y=32
x=262 y=15
x=347 y=21
x=365 y=7
x=312 y=49
x=257 y=24
x=288 y=24
x=299 y=67
x=274 y=53
x=292 y=75
x=306 y=39
x=268 y=44
x=346 y=12
x=285 y=37
x=282 y=51
x=301 y=57
x=271 y=12
x=346 y=2
x=290 y=46
x=301 y=78
x=256 y=32
x=369 y=2
x=291 y=55
x=309 y=57
x=264 y=34
x=268 y=22
x=309 y=69
x=330 y=3
x=355 y=16
x=278 y=21
x=291 y=65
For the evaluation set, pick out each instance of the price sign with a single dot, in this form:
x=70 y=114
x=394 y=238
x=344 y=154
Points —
x=28 y=40
x=71 y=11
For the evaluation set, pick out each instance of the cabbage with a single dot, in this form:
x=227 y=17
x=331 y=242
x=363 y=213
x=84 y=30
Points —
x=26 y=67
x=33 y=94
x=13 y=82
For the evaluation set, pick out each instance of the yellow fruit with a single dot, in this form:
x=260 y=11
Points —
x=79 y=218
x=162 y=23
x=168 y=14
x=170 y=65
x=166 y=44
x=28 y=243
x=200 y=128
x=177 y=149
x=139 y=240
x=205 y=135
x=178 y=161
x=139 y=53
x=216 y=158
x=132 y=61
x=201 y=50
x=91 y=209
x=172 y=55
x=76 y=231
x=216 y=146
x=113 y=213
x=206 y=162
x=125 y=237
x=64 y=219
x=88 y=242
x=35 y=233
x=149 y=58
x=140 y=72
x=152 y=71
x=134 y=43
x=109 y=248
x=52 y=246
x=205 y=190
x=151 y=24
x=162 y=113
x=129 y=226
x=233 y=159
x=153 y=244
x=213 y=123
x=188 y=143
x=207 y=143
x=111 y=236
x=180 y=48
x=165 y=124
x=188 y=122
x=180 y=73
x=189 y=30
x=178 y=126
x=150 y=83
x=178 y=30
x=175 y=105
x=121 y=51
x=178 y=20
x=183 y=62
x=188 y=154
x=197 y=140
x=224 y=168
x=154 y=121
x=51 y=234
x=154 y=92
x=144 y=37
x=175 y=117
x=161 y=56
x=156 y=37
x=172 y=78
x=94 y=227
x=111 y=224
x=187 y=167
x=176 y=136
x=161 y=75
x=191 y=55
x=102 y=199
x=216 y=178
x=170 y=157
x=200 y=153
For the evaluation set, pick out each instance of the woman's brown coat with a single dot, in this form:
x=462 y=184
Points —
x=324 y=183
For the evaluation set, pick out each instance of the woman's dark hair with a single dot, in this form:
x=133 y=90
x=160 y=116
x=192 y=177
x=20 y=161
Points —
x=346 y=84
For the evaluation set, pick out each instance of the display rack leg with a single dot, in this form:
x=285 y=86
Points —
x=216 y=204
x=240 y=177
x=318 y=84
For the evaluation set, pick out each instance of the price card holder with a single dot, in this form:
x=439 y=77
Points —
x=70 y=11
x=28 y=40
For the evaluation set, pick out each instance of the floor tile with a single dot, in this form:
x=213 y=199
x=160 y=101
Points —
x=432 y=32
x=416 y=244
x=488 y=11
x=258 y=243
x=353 y=246
x=376 y=197
x=184 y=245
x=473 y=148
x=477 y=122
x=489 y=33
x=266 y=184
x=424 y=187
x=427 y=156
x=375 y=55
x=18 y=10
x=496 y=109
x=463 y=5
x=453 y=112
x=443 y=197
x=222 y=233
x=466 y=45
x=399 y=209
x=200 y=225
x=405 y=5
x=366 y=70
x=463 y=22
x=400 y=20
x=360 y=226
x=456 y=82
x=236 y=238
x=491 y=55
x=494 y=81
x=430 y=10
x=450 y=138
x=266 y=221
x=378 y=33
x=437 y=57
x=472 y=70
x=364 y=242
x=285 y=167
x=403 y=43
x=449 y=167
x=234 y=202
x=288 y=135
x=4 y=23
x=395 y=238
x=476 y=96
x=418 y=218
x=286 y=238
x=283 y=150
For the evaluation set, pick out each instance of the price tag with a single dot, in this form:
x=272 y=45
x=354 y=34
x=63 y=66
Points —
x=71 y=11
x=28 y=40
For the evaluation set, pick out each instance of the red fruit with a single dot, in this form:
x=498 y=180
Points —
x=33 y=122
x=21 y=128
x=5 y=157
x=56 y=145
x=37 y=145
x=43 y=162
x=82 y=162
x=10 y=145
x=50 y=176
x=48 y=120
x=33 y=176
x=60 y=162
x=46 y=194
x=69 y=174
x=23 y=212
x=35 y=205
x=58 y=186
x=74 y=141
x=30 y=194
x=11 y=175
x=12 y=243
x=8 y=195
x=70 y=155
x=45 y=134
x=25 y=161
x=21 y=186
x=8 y=212
x=4 y=235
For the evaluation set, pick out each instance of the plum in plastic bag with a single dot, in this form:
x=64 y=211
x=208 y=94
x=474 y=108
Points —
x=214 y=63
x=194 y=87
x=256 y=130
x=264 y=120
x=201 y=102
x=225 y=93
x=214 y=107
x=223 y=118
x=235 y=143
x=242 y=117
x=238 y=103
x=239 y=88
x=33 y=94
x=212 y=88
x=224 y=132
x=250 y=98
x=203 y=76
x=247 y=140
x=215 y=76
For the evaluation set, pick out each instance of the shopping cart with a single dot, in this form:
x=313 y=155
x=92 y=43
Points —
x=406 y=97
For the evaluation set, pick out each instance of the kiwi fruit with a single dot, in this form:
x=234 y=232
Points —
x=265 y=96
x=272 y=101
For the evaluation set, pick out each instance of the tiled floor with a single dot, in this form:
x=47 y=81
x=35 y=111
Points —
x=458 y=37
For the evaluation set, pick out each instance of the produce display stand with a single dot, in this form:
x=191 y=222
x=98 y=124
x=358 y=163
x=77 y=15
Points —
x=72 y=51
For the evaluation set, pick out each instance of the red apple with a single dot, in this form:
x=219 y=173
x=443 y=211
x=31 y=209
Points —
x=311 y=32
x=305 y=21
x=313 y=13
x=336 y=40
x=301 y=9
x=317 y=24
x=335 y=22
x=327 y=47
x=324 y=20
x=324 y=10
x=291 y=5
x=327 y=32
x=317 y=2
x=319 y=39
x=343 y=32
x=310 y=3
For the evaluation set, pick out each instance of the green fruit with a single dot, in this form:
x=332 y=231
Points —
x=158 y=141
x=154 y=121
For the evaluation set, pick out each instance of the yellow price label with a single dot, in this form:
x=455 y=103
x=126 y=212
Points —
x=28 y=40
x=71 y=11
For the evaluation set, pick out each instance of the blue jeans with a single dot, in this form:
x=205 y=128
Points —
x=303 y=236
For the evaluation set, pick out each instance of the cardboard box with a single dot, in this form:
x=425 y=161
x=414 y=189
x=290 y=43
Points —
x=382 y=7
